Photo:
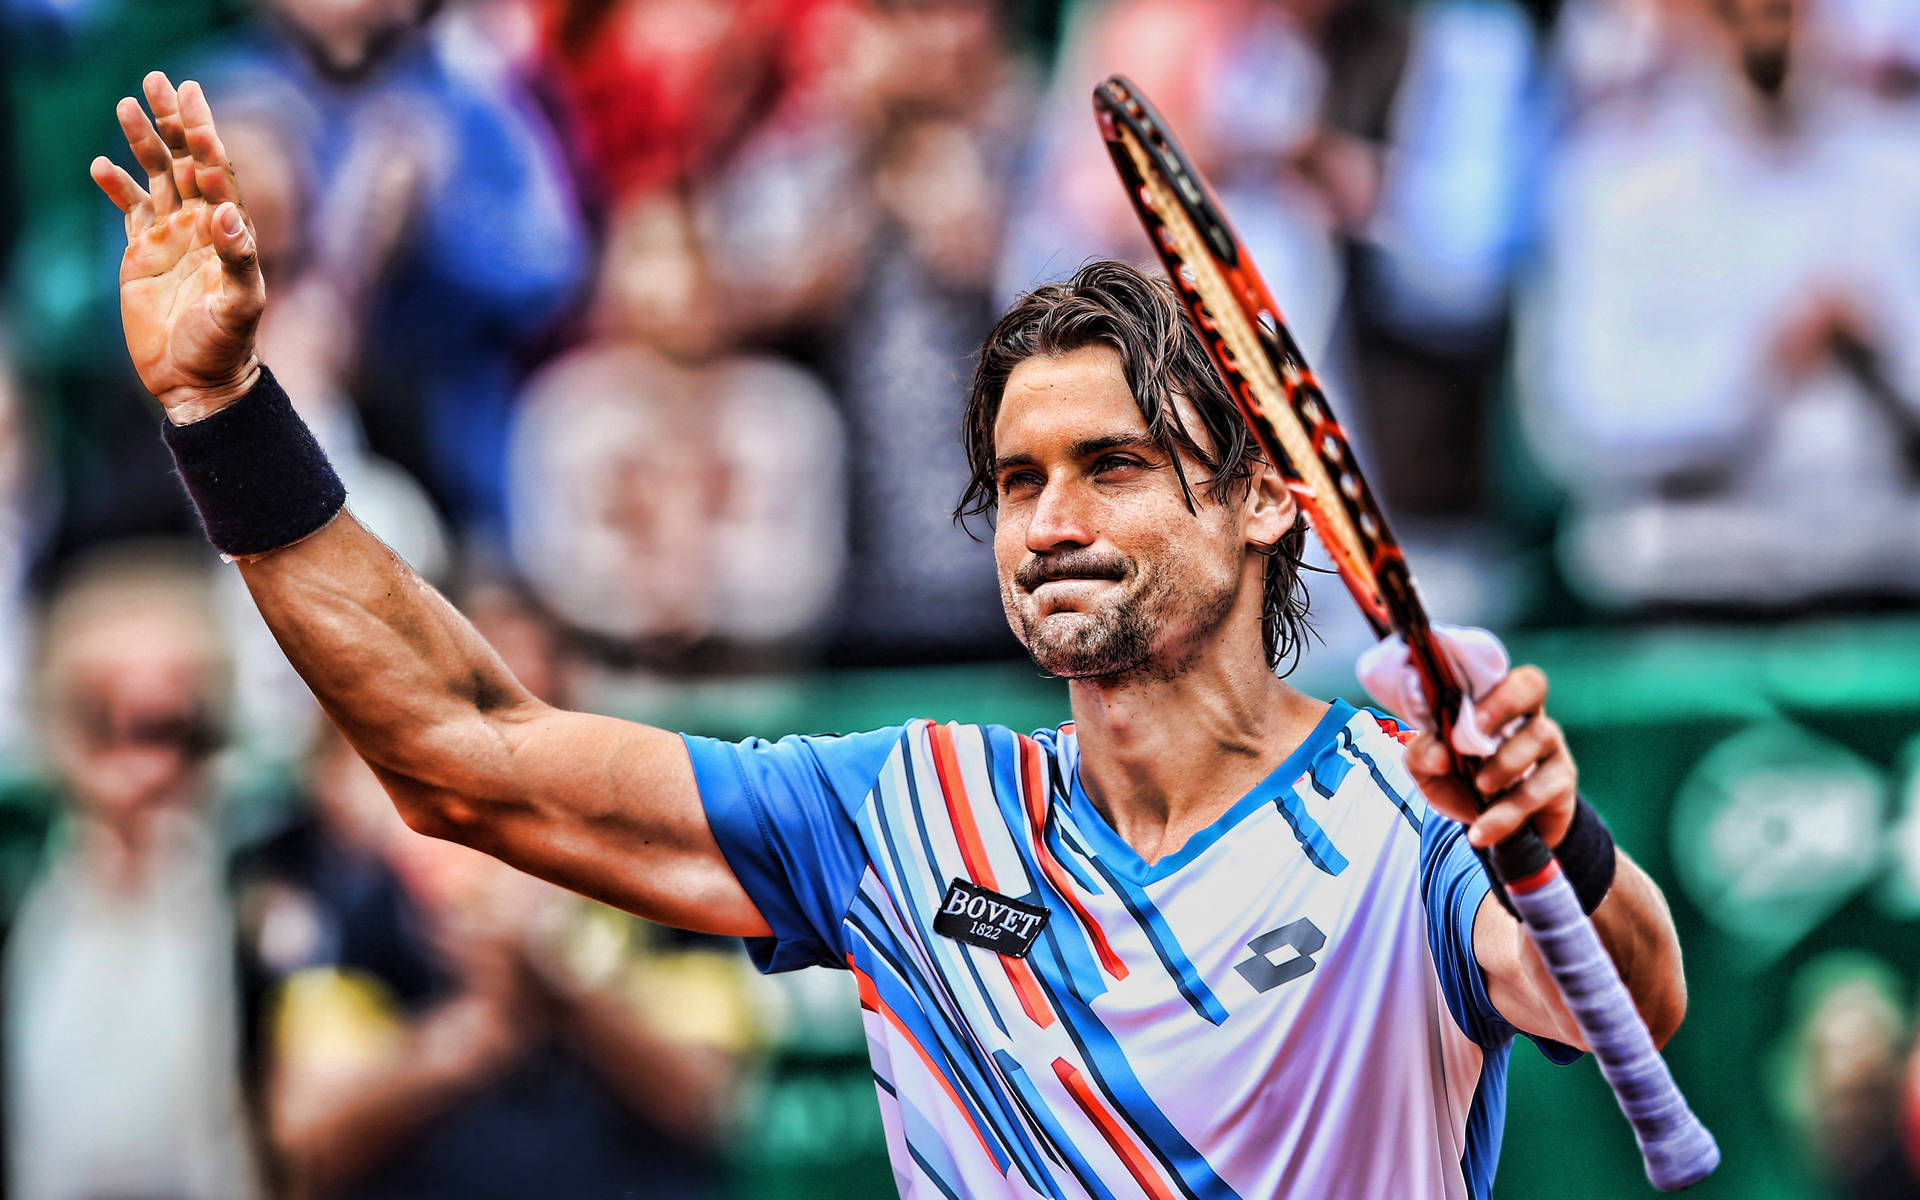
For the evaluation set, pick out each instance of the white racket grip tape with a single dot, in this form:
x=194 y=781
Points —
x=1387 y=672
x=1677 y=1148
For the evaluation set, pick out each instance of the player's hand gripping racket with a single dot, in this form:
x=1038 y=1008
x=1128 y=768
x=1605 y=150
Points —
x=1269 y=378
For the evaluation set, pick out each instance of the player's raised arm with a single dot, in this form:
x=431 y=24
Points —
x=605 y=807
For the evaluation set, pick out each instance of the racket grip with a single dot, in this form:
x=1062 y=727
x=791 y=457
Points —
x=1677 y=1148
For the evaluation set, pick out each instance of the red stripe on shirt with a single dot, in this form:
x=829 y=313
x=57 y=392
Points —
x=871 y=1001
x=1136 y=1160
x=946 y=766
x=1030 y=779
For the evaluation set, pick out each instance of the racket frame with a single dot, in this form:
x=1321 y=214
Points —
x=1288 y=414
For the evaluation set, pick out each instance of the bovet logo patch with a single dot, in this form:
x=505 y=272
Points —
x=987 y=919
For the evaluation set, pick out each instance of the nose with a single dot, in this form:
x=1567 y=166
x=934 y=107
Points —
x=1061 y=518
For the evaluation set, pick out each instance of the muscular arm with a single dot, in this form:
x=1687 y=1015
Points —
x=1532 y=778
x=606 y=808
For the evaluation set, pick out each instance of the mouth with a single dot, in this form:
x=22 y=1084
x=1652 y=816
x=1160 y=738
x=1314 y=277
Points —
x=1060 y=582
x=1082 y=570
x=1069 y=594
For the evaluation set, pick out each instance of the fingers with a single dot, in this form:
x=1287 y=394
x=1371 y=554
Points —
x=233 y=240
x=1534 y=742
x=165 y=103
x=120 y=187
x=182 y=155
x=1431 y=765
x=152 y=153
x=1531 y=778
x=1545 y=797
x=1521 y=694
x=212 y=172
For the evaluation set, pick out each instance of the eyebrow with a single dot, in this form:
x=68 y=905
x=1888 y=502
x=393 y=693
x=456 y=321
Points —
x=1085 y=448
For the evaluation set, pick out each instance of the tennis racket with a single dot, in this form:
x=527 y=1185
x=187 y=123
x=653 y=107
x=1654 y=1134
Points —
x=1269 y=378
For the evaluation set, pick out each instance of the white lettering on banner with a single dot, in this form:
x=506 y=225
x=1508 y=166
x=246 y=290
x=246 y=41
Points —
x=973 y=914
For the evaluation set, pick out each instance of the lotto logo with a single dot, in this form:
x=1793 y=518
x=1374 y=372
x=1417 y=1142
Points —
x=1281 y=955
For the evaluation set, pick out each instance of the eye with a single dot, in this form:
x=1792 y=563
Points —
x=1109 y=463
x=1020 y=480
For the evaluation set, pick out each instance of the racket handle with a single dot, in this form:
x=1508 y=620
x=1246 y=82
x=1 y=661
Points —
x=1676 y=1147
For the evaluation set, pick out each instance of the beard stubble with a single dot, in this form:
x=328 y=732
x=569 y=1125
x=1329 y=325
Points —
x=1117 y=643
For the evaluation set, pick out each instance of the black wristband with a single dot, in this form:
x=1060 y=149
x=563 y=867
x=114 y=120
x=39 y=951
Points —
x=255 y=472
x=1587 y=856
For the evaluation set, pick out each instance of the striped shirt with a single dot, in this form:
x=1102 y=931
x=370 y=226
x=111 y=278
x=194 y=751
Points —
x=1287 y=1006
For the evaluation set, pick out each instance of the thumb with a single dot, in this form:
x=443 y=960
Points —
x=233 y=240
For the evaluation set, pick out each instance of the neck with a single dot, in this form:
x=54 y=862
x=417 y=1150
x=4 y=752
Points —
x=1163 y=757
x=123 y=853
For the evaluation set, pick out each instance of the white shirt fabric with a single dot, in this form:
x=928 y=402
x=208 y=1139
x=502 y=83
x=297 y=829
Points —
x=122 y=1033
x=1288 y=1006
x=1680 y=237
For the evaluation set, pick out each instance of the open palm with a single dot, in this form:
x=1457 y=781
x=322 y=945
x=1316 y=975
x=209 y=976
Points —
x=190 y=286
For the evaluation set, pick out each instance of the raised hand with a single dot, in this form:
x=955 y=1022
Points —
x=190 y=286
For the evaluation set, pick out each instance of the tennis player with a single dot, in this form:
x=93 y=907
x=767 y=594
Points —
x=1212 y=938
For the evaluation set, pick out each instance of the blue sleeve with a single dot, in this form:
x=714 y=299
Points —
x=783 y=813
x=1453 y=884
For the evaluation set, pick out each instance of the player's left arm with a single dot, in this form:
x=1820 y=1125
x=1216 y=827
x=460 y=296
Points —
x=1532 y=777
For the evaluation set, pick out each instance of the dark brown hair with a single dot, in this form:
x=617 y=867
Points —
x=1109 y=303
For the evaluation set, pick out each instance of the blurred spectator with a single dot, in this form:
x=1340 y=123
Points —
x=1250 y=89
x=946 y=103
x=840 y=198
x=1432 y=263
x=122 y=1022
x=1716 y=360
x=657 y=93
x=439 y=178
x=1877 y=43
x=24 y=519
x=1846 y=1075
x=63 y=64
x=694 y=511
x=422 y=1007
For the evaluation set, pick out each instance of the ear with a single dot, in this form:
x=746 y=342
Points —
x=1269 y=509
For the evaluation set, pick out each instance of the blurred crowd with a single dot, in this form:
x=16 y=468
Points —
x=658 y=310
x=642 y=327
x=213 y=999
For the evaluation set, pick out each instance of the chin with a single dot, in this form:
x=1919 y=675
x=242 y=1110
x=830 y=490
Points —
x=1080 y=646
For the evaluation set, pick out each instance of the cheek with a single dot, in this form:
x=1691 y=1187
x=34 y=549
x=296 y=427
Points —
x=1009 y=545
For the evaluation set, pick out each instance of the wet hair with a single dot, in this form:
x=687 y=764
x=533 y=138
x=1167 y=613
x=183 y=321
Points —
x=1109 y=303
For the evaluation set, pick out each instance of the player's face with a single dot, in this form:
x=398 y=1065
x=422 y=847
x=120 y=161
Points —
x=1103 y=570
